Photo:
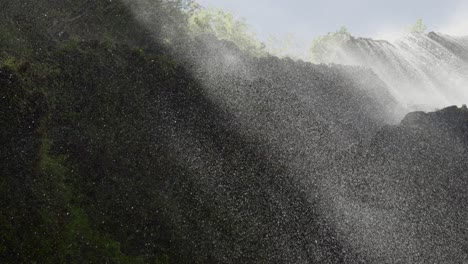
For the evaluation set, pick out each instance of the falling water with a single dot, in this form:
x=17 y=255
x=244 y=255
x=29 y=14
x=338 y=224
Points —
x=422 y=71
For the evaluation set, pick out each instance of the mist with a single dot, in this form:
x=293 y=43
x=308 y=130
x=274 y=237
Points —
x=423 y=71
x=154 y=131
x=415 y=71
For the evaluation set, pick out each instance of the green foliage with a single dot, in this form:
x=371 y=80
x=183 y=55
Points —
x=324 y=48
x=419 y=27
x=225 y=26
x=165 y=19
x=66 y=130
x=44 y=214
x=12 y=41
x=82 y=243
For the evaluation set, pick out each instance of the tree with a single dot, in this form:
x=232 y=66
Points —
x=226 y=26
x=324 y=48
x=419 y=27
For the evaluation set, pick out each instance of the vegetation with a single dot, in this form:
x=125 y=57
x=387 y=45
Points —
x=419 y=27
x=46 y=213
x=225 y=26
x=53 y=209
x=324 y=48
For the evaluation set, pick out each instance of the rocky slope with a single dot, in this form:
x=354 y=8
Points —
x=401 y=198
x=124 y=150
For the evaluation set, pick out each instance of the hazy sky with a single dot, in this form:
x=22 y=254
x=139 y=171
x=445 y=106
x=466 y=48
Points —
x=306 y=19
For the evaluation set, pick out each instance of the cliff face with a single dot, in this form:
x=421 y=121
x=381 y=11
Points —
x=401 y=198
x=131 y=147
x=123 y=151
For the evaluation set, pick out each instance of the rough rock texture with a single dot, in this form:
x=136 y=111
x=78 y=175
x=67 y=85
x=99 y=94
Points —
x=121 y=150
x=402 y=197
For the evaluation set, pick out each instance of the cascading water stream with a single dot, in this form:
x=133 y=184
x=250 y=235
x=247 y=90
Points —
x=422 y=71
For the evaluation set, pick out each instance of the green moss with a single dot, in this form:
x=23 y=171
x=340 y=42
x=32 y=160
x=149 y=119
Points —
x=13 y=42
x=54 y=219
x=70 y=45
x=11 y=62
x=83 y=243
x=70 y=235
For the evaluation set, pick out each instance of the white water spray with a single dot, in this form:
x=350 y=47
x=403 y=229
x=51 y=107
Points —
x=422 y=71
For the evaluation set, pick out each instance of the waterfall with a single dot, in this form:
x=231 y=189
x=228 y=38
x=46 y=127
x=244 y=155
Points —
x=422 y=71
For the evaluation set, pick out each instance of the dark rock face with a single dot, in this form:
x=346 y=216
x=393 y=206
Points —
x=115 y=153
x=206 y=167
x=160 y=165
x=274 y=97
x=294 y=117
x=402 y=198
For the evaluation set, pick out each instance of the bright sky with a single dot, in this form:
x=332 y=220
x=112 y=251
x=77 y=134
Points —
x=306 y=19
